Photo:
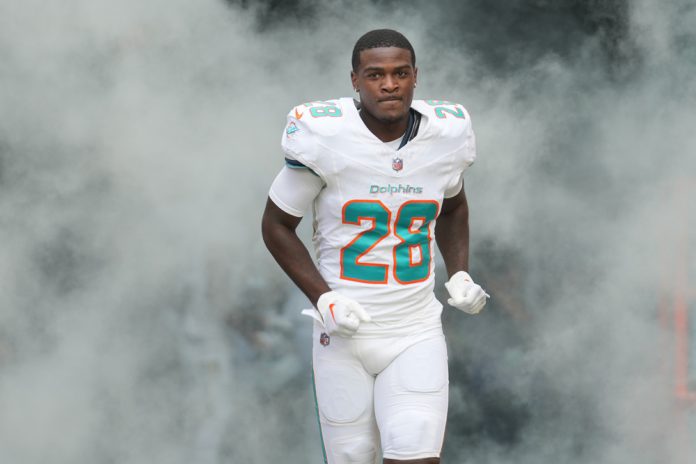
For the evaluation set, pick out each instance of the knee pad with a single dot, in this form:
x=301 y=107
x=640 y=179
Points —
x=359 y=449
x=412 y=404
x=413 y=435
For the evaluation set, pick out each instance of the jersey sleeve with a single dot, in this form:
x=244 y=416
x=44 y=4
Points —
x=302 y=139
x=449 y=126
x=307 y=160
x=296 y=141
x=294 y=190
x=466 y=154
x=454 y=189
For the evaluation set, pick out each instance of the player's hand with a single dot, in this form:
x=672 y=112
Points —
x=465 y=294
x=342 y=316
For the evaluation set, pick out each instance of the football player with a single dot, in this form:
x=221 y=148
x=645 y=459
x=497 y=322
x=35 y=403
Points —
x=383 y=176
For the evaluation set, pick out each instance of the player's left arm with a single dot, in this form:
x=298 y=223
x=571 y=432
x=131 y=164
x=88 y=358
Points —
x=452 y=233
x=452 y=237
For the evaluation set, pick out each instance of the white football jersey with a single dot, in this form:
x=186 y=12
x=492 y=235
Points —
x=374 y=220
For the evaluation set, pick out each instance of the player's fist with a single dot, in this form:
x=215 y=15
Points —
x=465 y=294
x=341 y=316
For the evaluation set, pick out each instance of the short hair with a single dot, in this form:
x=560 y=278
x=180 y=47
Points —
x=381 y=38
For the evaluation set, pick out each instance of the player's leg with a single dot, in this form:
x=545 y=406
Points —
x=344 y=394
x=411 y=396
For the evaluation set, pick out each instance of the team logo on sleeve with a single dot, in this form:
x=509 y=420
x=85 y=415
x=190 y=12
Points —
x=397 y=164
x=291 y=129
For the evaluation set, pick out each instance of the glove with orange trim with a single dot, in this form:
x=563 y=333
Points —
x=341 y=315
x=465 y=294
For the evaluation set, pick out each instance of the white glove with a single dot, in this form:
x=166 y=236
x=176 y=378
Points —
x=339 y=315
x=466 y=295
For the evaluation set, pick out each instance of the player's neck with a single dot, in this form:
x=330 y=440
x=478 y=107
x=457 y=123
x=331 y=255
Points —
x=385 y=131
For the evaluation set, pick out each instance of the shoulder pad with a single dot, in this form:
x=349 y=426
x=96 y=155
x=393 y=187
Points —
x=308 y=125
x=323 y=118
x=446 y=118
x=448 y=126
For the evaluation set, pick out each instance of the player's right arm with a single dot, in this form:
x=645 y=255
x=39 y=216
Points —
x=279 y=234
x=292 y=193
x=338 y=314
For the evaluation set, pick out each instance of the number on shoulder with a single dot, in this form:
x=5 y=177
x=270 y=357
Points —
x=320 y=109
x=443 y=107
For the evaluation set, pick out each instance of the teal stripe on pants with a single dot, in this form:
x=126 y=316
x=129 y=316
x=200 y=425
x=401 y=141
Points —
x=316 y=409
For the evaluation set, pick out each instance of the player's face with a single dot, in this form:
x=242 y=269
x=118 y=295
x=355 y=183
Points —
x=385 y=79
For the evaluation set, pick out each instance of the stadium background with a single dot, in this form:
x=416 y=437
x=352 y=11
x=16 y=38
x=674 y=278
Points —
x=142 y=321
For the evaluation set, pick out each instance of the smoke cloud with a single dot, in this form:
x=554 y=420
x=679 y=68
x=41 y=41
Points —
x=142 y=320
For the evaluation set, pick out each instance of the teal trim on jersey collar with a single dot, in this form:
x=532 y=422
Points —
x=316 y=409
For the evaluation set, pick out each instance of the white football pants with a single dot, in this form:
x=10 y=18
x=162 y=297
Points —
x=388 y=392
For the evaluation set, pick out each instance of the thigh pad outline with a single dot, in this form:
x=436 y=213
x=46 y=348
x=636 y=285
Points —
x=344 y=394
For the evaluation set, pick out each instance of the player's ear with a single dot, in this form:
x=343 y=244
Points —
x=354 y=80
x=415 y=76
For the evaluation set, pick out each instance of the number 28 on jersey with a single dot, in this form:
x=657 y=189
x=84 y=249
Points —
x=409 y=259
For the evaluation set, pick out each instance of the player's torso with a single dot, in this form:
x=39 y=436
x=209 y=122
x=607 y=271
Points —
x=375 y=219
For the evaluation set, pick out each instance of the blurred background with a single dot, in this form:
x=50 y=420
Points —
x=142 y=320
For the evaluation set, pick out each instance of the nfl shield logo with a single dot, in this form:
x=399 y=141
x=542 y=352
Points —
x=324 y=339
x=397 y=164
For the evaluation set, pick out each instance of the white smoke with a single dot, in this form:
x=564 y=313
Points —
x=140 y=315
x=135 y=161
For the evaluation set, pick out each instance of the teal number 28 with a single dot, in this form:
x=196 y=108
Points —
x=411 y=257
